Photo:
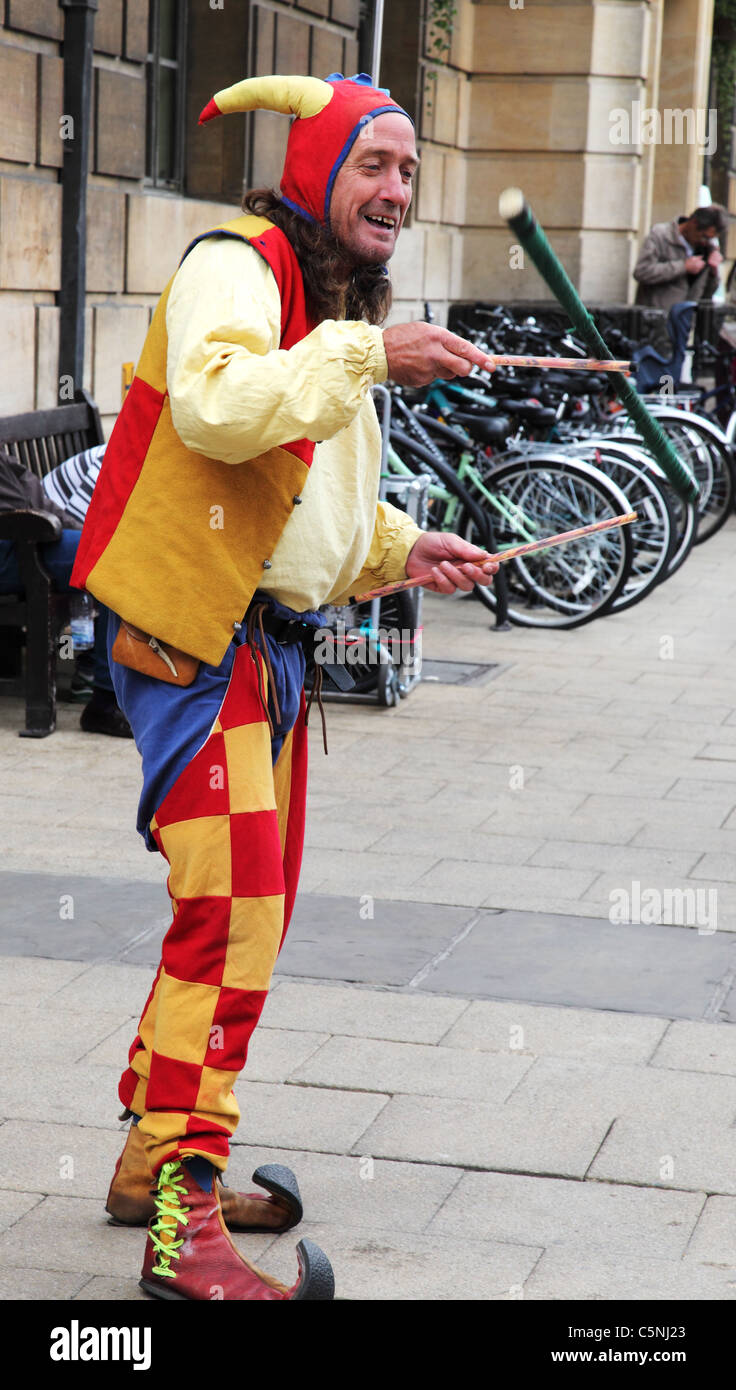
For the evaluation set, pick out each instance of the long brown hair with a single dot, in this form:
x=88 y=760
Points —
x=331 y=292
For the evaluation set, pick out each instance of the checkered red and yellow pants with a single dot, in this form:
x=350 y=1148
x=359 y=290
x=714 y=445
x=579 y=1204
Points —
x=232 y=831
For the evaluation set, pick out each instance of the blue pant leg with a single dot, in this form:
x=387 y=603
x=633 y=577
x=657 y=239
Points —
x=58 y=557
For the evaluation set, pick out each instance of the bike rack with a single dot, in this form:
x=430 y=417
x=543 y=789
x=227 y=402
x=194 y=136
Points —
x=394 y=681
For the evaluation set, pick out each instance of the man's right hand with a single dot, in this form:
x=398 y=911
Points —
x=694 y=265
x=418 y=352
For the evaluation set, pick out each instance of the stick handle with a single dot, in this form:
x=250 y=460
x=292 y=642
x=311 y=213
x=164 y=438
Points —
x=503 y=555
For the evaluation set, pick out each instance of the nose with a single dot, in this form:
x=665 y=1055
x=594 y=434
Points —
x=393 y=187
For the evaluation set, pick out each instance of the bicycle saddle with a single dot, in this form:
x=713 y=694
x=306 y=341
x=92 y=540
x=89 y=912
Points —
x=487 y=429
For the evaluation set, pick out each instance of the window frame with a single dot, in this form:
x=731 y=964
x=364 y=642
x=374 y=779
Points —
x=154 y=62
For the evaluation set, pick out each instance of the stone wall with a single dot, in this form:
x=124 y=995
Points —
x=136 y=233
x=528 y=97
x=525 y=97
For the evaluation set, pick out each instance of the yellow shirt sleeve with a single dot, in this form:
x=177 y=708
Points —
x=234 y=393
x=394 y=535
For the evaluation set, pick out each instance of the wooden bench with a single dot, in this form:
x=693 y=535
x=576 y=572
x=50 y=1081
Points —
x=41 y=439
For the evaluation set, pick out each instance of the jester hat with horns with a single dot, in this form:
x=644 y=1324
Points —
x=329 y=117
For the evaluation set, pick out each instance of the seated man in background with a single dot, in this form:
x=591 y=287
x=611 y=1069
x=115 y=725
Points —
x=64 y=493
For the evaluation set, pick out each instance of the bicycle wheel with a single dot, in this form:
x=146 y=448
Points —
x=706 y=451
x=654 y=532
x=571 y=584
x=685 y=513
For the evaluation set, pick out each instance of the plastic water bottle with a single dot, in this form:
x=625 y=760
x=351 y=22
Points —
x=82 y=622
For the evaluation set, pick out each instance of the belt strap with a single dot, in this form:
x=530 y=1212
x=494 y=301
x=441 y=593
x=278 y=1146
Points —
x=259 y=616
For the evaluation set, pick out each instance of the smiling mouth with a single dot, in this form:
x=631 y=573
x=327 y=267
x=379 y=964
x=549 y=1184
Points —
x=384 y=224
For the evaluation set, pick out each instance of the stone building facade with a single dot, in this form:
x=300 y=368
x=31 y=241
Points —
x=526 y=95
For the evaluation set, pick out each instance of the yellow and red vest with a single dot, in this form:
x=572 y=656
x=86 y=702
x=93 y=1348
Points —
x=149 y=549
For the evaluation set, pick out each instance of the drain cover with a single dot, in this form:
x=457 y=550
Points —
x=460 y=672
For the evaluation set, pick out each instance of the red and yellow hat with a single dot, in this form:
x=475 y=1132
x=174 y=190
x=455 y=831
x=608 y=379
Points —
x=329 y=116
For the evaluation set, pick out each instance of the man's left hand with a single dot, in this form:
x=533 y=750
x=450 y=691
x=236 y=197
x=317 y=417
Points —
x=450 y=560
x=715 y=259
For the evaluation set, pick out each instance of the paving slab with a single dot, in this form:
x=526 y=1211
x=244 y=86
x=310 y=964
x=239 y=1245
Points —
x=412 y=1069
x=391 y=1266
x=14 y=1205
x=587 y=962
x=360 y=1192
x=127 y=985
x=358 y=1012
x=40 y=1285
x=678 y=764
x=704 y=1047
x=29 y=1031
x=60 y=1094
x=668 y=810
x=654 y=865
x=714 y=1239
x=68 y=1160
x=533 y=1030
x=515 y=1137
x=369 y=872
x=74 y=1236
x=108 y=915
x=549 y=1211
x=608 y=825
x=564 y=1273
x=283 y=1116
x=27 y=980
x=629 y=1091
x=113 y=1050
x=366 y=939
x=719 y=867
x=666 y=1153
x=276 y=1054
x=486 y=846
x=104 y=1290
x=499 y=885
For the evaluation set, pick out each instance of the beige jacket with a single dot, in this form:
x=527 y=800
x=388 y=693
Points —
x=660 y=270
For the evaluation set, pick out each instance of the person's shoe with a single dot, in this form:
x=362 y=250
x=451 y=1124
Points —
x=81 y=687
x=130 y=1201
x=189 y=1253
x=103 y=716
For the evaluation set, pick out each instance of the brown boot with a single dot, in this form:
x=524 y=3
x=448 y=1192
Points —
x=130 y=1201
x=189 y=1253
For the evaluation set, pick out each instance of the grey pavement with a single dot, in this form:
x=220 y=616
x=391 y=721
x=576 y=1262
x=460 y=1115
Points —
x=499 y=1048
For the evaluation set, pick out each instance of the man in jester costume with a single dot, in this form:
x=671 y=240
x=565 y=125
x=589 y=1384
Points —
x=239 y=492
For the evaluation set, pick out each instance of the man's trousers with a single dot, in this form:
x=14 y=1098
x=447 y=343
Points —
x=232 y=829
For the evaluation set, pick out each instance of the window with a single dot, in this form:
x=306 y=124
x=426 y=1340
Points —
x=165 y=79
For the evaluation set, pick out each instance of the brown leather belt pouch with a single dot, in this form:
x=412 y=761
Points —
x=137 y=649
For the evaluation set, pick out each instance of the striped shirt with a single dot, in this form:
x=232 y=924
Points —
x=72 y=482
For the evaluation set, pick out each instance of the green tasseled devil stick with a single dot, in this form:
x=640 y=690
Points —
x=515 y=210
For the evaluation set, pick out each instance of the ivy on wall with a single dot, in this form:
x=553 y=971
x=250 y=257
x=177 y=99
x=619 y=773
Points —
x=440 y=23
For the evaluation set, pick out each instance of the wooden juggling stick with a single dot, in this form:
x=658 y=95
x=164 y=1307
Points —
x=577 y=364
x=503 y=555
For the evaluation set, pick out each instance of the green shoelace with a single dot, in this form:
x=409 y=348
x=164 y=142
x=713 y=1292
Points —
x=170 y=1212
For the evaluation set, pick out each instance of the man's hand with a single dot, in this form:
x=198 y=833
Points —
x=419 y=352
x=715 y=258
x=694 y=265
x=449 y=559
